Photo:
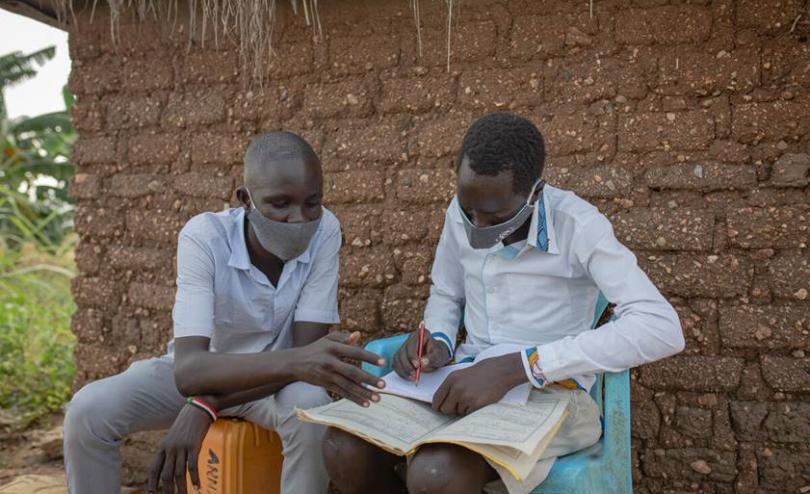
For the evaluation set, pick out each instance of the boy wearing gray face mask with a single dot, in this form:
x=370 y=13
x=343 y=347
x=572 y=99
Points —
x=522 y=263
x=256 y=294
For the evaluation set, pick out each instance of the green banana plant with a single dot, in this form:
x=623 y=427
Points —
x=35 y=165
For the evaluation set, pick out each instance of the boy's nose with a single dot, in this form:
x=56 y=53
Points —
x=296 y=216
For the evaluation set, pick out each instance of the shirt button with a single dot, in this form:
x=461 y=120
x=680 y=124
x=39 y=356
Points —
x=491 y=289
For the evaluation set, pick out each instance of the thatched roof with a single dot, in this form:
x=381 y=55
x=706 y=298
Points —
x=39 y=10
x=249 y=22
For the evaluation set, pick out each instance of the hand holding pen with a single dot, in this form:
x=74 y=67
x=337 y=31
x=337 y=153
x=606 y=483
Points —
x=428 y=351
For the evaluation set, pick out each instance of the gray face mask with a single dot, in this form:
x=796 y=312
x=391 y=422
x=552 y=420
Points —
x=284 y=240
x=488 y=236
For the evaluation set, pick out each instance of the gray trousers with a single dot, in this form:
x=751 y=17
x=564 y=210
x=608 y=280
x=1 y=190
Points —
x=144 y=397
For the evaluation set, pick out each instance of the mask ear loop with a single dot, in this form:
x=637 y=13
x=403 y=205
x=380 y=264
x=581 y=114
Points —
x=250 y=198
x=528 y=204
x=541 y=182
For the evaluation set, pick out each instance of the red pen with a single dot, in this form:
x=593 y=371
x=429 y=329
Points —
x=419 y=353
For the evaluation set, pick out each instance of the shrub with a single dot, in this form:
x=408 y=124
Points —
x=36 y=344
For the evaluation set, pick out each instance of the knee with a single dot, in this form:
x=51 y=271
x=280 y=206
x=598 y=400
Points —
x=301 y=395
x=437 y=470
x=84 y=412
x=338 y=446
x=294 y=432
x=348 y=460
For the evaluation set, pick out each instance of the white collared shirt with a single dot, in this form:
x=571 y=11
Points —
x=543 y=293
x=221 y=295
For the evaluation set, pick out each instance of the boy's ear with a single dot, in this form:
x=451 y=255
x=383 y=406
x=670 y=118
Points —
x=242 y=197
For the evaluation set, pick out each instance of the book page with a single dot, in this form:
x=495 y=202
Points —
x=518 y=464
x=429 y=382
x=514 y=426
x=395 y=424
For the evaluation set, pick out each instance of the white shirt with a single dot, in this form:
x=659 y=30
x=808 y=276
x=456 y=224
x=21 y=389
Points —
x=524 y=294
x=222 y=296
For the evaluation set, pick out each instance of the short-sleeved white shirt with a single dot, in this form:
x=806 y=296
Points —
x=222 y=296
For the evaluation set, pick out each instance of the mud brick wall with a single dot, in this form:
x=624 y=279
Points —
x=687 y=123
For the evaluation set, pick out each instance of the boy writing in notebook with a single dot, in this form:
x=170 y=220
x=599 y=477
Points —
x=523 y=262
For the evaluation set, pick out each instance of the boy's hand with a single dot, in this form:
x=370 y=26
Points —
x=179 y=448
x=322 y=363
x=467 y=390
x=435 y=354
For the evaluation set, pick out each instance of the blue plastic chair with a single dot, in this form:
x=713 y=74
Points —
x=603 y=468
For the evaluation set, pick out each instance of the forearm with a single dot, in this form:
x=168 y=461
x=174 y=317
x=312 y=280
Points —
x=222 y=374
x=247 y=376
x=223 y=401
x=632 y=340
x=510 y=370
x=646 y=327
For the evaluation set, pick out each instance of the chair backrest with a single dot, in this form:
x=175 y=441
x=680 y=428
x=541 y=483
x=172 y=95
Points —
x=601 y=306
x=596 y=389
x=612 y=392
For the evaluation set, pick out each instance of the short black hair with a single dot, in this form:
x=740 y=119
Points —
x=503 y=141
x=270 y=146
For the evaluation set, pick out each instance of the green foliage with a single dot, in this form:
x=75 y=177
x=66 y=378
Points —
x=36 y=249
x=16 y=67
x=36 y=344
x=24 y=221
x=34 y=165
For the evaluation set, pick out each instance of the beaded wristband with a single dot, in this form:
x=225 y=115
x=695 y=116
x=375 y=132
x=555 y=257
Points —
x=205 y=407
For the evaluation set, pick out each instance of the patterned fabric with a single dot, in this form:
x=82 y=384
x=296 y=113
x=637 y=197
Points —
x=542 y=230
x=532 y=368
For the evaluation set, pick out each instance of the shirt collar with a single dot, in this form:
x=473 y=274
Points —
x=240 y=259
x=542 y=236
x=236 y=238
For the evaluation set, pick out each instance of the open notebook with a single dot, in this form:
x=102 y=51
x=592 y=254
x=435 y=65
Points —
x=429 y=382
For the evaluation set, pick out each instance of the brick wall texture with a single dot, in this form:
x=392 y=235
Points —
x=687 y=123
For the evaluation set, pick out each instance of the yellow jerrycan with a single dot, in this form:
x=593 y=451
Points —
x=239 y=457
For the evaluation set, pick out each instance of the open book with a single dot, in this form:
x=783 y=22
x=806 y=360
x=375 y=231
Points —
x=512 y=436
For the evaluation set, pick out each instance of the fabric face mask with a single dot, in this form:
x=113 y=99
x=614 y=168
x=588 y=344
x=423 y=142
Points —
x=284 y=240
x=488 y=236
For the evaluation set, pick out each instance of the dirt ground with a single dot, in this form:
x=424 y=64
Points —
x=31 y=460
x=34 y=457
x=35 y=451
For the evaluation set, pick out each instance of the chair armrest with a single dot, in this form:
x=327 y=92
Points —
x=386 y=348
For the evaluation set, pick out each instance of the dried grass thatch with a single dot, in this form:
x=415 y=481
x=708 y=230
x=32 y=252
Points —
x=249 y=22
